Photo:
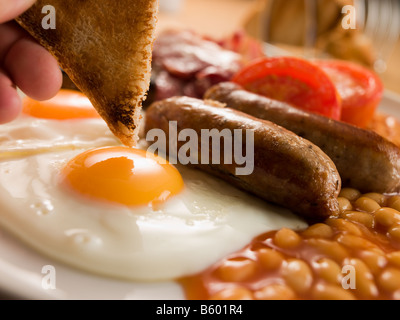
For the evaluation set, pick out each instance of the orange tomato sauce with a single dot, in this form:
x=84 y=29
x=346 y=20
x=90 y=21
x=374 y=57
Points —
x=355 y=256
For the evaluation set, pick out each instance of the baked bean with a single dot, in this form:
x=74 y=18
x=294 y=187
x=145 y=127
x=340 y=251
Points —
x=287 y=239
x=361 y=217
x=328 y=270
x=270 y=259
x=394 y=233
x=396 y=206
x=275 y=292
x=331 y=292
x=367 y=204
x=394 y=202
x=319 y=230
x=377 y=250
x=350 y=194
x=379 y=198
x=355 y=242
x=288 y=265
x=344 y=204
x=389 y=279
x=234 y=293
x=375 y=261
x=364 y=280
x=298 y=275
x=329 y=248
x=394 y=258
x=387 y=217
x=237 y=270
x=344 y=225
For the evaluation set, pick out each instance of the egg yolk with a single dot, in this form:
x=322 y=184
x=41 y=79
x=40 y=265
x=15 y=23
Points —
x=122 y=175
x=67 y=104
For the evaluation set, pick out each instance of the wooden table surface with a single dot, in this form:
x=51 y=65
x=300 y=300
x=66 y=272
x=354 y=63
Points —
x=219 y=18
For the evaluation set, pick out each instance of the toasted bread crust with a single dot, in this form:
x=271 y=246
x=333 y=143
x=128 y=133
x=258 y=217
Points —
x=105 y=46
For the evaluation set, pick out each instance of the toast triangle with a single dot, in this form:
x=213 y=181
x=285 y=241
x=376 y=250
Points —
x=105 y=46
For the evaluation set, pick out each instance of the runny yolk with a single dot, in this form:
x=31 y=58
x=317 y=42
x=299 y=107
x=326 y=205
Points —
x=122 y=175
x=67 y=104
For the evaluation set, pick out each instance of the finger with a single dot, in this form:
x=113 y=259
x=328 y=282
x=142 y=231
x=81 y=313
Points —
x=10 y=32
x=33 y=69
x=10 y=102
x=12 y=9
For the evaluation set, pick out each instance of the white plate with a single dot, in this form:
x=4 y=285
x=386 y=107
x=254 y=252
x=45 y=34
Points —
x=24 y=274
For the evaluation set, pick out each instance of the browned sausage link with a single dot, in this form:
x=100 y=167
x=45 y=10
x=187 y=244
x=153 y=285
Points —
x=365 y=160
x=288 y=170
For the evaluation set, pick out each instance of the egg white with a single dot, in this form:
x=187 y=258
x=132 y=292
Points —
x=29 y=135
x=207 y=221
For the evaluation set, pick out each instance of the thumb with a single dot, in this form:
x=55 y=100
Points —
x=10 y=9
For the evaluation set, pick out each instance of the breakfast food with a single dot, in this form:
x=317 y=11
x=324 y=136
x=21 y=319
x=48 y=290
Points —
x=362 y=237
x=365 y=160
x=336 y=89
x=105 y=47
x=185 y=63
x=293 y=80
x=70 y=190
x=173 y=238
x=360 y=90
x=353 y=256
x=288 y=170
x=66 y=104
x=41 y=128
x=387 y=126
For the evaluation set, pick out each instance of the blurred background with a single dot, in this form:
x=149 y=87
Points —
x=369 y=34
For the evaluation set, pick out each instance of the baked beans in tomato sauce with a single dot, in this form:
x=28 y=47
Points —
x=352 y=256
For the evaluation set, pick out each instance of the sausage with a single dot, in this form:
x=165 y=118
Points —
x=365 y=160
x=288 y=170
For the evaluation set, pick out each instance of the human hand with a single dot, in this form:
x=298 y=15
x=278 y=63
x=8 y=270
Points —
x=23 y=63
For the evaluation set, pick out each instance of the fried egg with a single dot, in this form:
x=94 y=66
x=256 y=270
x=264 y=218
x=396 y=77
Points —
x=129 y=216
x=125 y=213
x=68 y=121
